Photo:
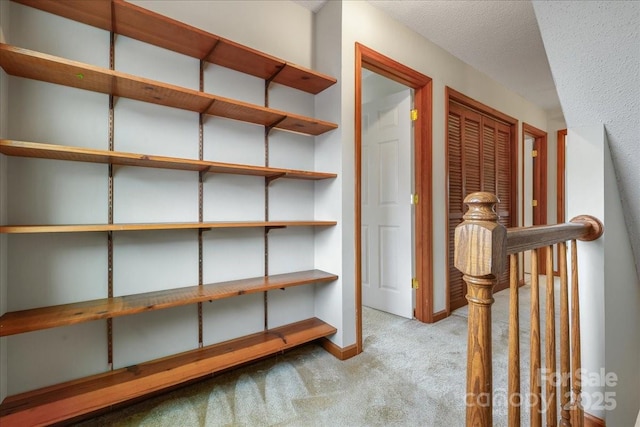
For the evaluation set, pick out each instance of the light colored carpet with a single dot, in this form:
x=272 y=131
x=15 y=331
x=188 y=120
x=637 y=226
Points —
x=410 y=374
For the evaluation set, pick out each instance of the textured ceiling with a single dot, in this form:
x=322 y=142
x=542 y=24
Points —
x=594 y=51
x=499 y=38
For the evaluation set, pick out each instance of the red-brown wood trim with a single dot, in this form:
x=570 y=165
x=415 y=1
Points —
x=447 y=299
x=452 y=95
x=422 y=85
x=592 y=421
x=522 y=178
x=342 y=353
x=539 y=192
x=560 y=142
x=440 y=315
x=539 y=172
x=423 y=160
x=358 y=195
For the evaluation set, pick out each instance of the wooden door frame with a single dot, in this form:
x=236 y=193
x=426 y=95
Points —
x=422 y=154
x=561 y=141
x=539 y=178
x=452 y=95
x=539 y=173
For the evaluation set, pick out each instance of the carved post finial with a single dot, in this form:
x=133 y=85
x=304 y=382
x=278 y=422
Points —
x=481 y=207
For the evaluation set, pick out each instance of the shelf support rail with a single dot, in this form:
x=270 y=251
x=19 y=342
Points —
x=267 y=131
x=201 y=118
x=112 y=101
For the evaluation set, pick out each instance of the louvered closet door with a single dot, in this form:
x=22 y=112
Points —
x=479 y=160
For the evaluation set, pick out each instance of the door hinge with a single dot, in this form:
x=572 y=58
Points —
x=534 y=153
x=534 y=203
x=414 y=283
x=414 y=199
x=414 y=114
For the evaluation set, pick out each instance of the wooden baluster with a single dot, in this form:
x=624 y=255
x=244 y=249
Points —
x=480 y=254
x=576 y=364
x=514 y=400
x=550 y=344
x=565 y=391
x=534 y=367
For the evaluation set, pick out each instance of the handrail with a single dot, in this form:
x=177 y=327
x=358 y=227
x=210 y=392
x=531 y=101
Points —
x=583 y=227
x=482 y=250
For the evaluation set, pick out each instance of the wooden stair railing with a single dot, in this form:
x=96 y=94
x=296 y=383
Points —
x=483 y=249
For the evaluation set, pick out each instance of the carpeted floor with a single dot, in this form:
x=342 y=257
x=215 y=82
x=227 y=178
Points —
x=410 y=374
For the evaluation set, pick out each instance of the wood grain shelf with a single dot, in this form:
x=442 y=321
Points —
x=62 y=152
x=84 y=228
x=71 y=399
x=18 y=322
x=153 y=28
x=39 y=66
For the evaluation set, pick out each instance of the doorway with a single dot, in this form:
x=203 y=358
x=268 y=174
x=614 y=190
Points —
x=387 y=180
x=368 y=59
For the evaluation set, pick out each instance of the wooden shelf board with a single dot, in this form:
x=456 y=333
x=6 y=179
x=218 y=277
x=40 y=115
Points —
x=298 y=77
x=77 y=154
x=150 y=27
x=233 y=55
x=153 y=28
x=39 y=66
x=18 y=322
x=74 y=398
x=83 y=228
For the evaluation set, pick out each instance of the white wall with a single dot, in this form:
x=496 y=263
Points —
x=622 y=299
x=332 y=251
x=585 y=191
x=609 y=286
x=555 y=122
x=278 y=27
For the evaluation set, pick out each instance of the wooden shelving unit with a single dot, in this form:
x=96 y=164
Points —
x=18 y=322
x=48 y=68
x=82 y=396
x=150 y=27
x=64 y=401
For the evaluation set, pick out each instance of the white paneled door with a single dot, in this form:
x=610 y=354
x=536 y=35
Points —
x=387 y=255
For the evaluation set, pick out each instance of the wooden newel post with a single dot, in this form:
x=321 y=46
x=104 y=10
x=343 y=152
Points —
x=481 y=256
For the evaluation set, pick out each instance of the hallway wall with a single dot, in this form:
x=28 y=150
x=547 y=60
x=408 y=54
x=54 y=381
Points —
x=363 y=23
